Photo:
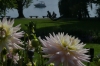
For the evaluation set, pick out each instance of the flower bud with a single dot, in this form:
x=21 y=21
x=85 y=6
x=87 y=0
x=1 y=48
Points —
x=35 y=43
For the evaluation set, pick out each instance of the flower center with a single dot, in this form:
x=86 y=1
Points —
x=2 y=33
x=69 y=47
x=72 y=48
x=64 y=44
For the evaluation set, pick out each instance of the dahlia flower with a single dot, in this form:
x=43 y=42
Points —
x=13 y=56
x=9 y=35
x=64 y=49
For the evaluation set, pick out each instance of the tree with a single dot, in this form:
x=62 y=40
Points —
x=5 y=5
x=80 y=8
x=21 y=4
x=74 y=8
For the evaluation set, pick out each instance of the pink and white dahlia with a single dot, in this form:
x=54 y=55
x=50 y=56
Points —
x=9 y=35
x=12 y=56
x=64 y=49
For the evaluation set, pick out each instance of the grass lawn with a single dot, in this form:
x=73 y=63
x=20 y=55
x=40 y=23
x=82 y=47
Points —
x=70 y=24
x=39 y=22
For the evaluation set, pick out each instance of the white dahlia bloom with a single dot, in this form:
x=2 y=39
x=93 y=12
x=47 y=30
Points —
x=9 y=35
x=64 y=49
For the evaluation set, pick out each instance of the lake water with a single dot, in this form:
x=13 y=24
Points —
x=51 y=5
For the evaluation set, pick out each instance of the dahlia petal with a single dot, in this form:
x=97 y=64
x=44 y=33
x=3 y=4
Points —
x=4 y=20
x=15 y=61
x=80 y=63
x=12 y=22
x=43 y=43
x=16 y=40
x=17 y=46
x=17 y=28
x=53 y=58
x=46 y=50
x=15 y=58
x=18 y=34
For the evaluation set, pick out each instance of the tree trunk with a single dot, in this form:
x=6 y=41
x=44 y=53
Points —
x=20 y=12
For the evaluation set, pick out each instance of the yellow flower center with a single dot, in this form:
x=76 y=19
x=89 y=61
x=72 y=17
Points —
x=64 y=44
x=69 y=47
x=2 y=34
x=72 y=48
